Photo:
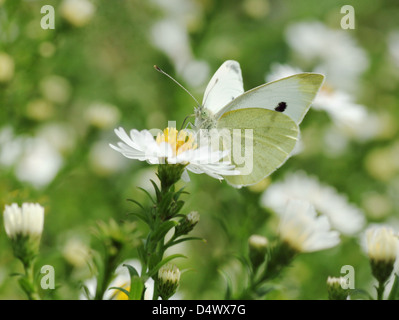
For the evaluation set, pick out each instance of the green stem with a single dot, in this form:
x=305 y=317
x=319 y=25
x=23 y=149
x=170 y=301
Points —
x=380 y=290
x=30 y=288
x=154 y=249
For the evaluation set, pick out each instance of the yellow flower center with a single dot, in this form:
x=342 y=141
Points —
x=180 y=141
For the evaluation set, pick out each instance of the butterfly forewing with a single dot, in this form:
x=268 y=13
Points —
x=225 y=85
x=291 y=96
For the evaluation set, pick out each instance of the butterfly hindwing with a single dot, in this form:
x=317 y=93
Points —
x=261 y=141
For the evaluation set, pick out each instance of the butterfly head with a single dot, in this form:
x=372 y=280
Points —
x=204 y=119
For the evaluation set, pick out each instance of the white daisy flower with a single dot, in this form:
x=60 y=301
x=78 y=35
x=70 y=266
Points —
x=303 y=230
x=343 y=216
x=174 y=147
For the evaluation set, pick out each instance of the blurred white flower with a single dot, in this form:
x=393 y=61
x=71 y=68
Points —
x=76 y=252
x=171 y=36
x=11 y=147
x=103 y=160
x=34 y=159
x=352 y=120
x=102 y=115
x=393 y=47
x=175 y=147
x=381 y=163
x=343 y=216
x=39 y=109
x=60 y=135
x=47 y=49
x=39 y=163
x=55 y=88
x=303 y=230
x=334 y=50
x=6 y=67
x=77 y=12
x=26 y=220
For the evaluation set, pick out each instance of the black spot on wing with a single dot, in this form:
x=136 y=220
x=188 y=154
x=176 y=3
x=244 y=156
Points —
x=281 y=106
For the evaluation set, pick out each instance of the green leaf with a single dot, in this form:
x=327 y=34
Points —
x=141 y=253
x=15 y=274
x=26 y=285
x=132 y=270
x=182 y=240
x=136 y=202
x=165 y=203
x=229 y=292
x=157 y=191
x=147 y=193
x=164 y=261
x=136 y=288
x=86 y=292
x=394 y=294
x=163 y=229
x=263 y=290
x=141 y=216
x=177 y=207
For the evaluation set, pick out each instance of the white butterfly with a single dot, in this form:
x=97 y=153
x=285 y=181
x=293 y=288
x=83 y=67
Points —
x=273 y=111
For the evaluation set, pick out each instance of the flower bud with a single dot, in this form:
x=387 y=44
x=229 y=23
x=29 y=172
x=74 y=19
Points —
x=382 y=248
x=187 y=223
x=24 y=227
x=258 y=247
x=335 y=288
x=169 y=277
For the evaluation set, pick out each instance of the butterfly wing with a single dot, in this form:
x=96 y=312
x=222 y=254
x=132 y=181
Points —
x=225 y=85
x=291 y=96
x=261 y=141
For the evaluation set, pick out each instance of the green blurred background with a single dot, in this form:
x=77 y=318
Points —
x=63 y=91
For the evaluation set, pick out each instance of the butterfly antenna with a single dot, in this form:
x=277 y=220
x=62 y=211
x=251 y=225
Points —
x=175 y=81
